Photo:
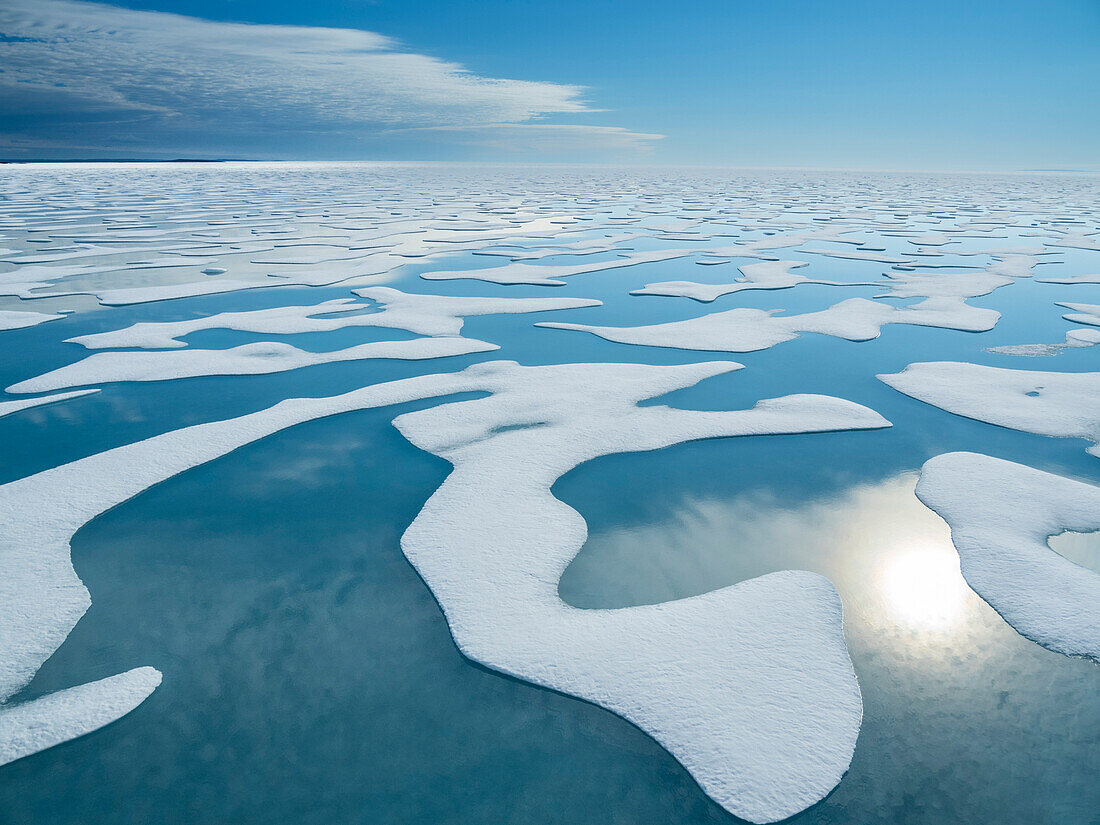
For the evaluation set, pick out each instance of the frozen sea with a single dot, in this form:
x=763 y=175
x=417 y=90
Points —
x=309 y=676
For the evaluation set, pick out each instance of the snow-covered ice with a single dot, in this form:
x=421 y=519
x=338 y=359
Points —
x=747 y=330
x=1062 y=404
x=248 y=359
x=1001 y=515
x=764 y=714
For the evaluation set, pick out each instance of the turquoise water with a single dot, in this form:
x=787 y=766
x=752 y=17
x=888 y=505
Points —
x=309 y=676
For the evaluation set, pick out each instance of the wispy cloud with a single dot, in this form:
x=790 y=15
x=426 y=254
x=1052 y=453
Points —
x=91 y=74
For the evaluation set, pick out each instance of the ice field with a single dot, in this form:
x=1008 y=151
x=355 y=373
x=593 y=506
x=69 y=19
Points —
x=468 y=494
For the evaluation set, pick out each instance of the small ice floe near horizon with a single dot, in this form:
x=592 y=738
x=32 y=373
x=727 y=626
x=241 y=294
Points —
x=764 y=713
x=763 y=275
x=1060 y=404
x=1075 y=338
x=550 y=275
x=857 y=255
x=587 y=246
x=1071 y=279
x=1001 y=516
x=748 y=330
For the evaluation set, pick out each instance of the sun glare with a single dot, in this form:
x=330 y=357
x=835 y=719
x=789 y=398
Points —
x=922 y=586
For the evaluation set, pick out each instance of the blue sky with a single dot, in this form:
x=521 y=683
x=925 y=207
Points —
x=933 y=85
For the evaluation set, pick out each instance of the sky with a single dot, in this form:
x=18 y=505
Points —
x=977 y=85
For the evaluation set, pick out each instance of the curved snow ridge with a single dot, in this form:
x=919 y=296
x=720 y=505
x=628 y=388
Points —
x=1061 y=404
x=9 y=407
x=33 y=726
x=1001 y=515
x=432 y=315
x=1082 y=313
x=748 y=330
x=750 y=686
x=42 y=598
x=248 y=359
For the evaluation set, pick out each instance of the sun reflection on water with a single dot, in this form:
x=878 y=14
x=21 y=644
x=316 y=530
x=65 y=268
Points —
x=922 y=587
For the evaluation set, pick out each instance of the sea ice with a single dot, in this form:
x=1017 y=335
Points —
x=248 y=359
x=1001 y=516
x=434 y=315
x=9 y=407
x=32 y=726
x=763 y=275
x=15 y=319
x=521 y=273
x=750 y=686
x=747 y=330
x=1062 y=404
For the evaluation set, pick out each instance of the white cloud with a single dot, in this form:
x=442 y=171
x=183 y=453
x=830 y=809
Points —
x=78 y=68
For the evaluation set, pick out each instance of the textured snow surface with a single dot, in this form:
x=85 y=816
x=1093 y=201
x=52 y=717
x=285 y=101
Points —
x=747 y=330
x=1001 y=515
x=17 y=319
x=750 y=687
x=548 y=274
x=422 y=314
x=248 y=359
x=1064 y=404
x=32 y=726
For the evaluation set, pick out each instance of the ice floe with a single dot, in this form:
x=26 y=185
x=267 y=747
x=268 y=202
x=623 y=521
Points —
x=1062 y=404
x=750 y=686
x=747 y=330
x=17 y=319
x=32 y=726
x=1075 y=339
x=1071 y=279
x=1001 y=516
x=763 y=275
x=434 y=315
x=248 y=359
x=551 y=275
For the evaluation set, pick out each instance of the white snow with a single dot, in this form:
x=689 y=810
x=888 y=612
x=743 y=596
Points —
x=433 y=315
x=747 y=330
x=750 y=686
x=248 y=359
x=16 y=319
x=1083 y=313
x=1061 y=404
x=1001 y=515
x=857 y=255
x=1071 y=279
x=168 y=292
x=1075 y=339
x=32 y=726
x=551 y=275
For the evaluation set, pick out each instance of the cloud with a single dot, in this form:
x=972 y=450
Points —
x=124 y=79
